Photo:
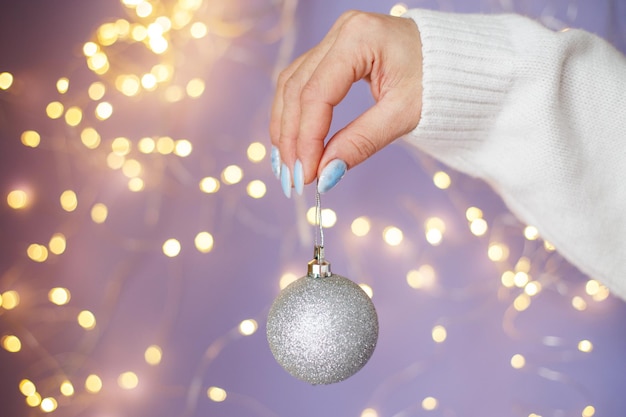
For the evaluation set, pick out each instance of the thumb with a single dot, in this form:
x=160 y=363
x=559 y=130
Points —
x=379 y=126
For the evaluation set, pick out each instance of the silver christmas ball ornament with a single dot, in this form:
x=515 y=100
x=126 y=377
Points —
x=323 y=327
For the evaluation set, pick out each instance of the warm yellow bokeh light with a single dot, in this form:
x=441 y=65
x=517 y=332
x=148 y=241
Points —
x=93 y=384
x=96 y=91
x=54 y=110
x=6 y=80
x=162 y=72
x=367 y=289
x=434 y=229
x=498 y=252
x=369 y=412
x=232 y=174
x=360 y=226
x=579 y=303
x=59 y=296
x=17 y=199
x=508 y=279
x=11 y=343
x=98 y=63
x=183 y=148
x=392 y=236
x=439 y=334
x=131 y=168
x=518 y=361
x=473 y=213
x=589 y=411
x=165 y=145
x=533 y=288
x=286 y=279
x=479 y=227
x=256 y=189
x=104 y=110
x=30 y=138
x=158 y=44
x=195 y=87
x=10 y=299
x=173 y=94
x=585 y=346
x=86 y=320
x=27 y=387
x=171 y=248
x=73 y=116
x=429 y=403
x=592 y=287
x=121 y=146
x=216 y=394
x=602 y=294
x=136 y=184
x=148 y=81
x=128 y=380
x=423 y=277
x=256 y=152
x=198 y=30
x=146 y=145
x=204 y=242
x=531 y=233
x=90 y=138
x=66 y=388
x=33 y=400
x=63 y=84
x=69 y=200
x=153 y=355
x=548 y=246
x=37 y=252
x=329 y=217
x=398 y=9
x=99 y=213
x=129 y=85
x=90 y=49
x=143 y=9
x=521 y=302
x=48 y=405
x=441 y=180
x=520 y=279
x=209 y=185
x=57 y=244
x=107 y=34
x=248 y=327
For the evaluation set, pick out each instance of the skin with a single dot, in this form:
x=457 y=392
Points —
x=383 y=50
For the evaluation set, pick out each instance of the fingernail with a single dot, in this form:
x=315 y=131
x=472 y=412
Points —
x=298 y=177
x=332 y=173
x=285 y=180
x=275 y=158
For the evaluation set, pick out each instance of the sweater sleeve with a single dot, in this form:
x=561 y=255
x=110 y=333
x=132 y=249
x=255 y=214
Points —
x=541 y=117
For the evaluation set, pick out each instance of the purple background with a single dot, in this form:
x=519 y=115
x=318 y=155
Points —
x=193 y=301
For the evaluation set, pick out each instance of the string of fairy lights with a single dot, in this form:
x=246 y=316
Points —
x=158 y=31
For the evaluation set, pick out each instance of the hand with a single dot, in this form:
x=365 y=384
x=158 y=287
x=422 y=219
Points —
x=383 y=50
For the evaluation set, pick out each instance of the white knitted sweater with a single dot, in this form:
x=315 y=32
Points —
x=541 y=117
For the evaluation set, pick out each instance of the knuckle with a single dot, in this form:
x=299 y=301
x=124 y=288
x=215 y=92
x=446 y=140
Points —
x=363 y=146
x=360 y=21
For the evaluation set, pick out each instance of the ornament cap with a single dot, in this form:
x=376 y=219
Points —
x=318 y=267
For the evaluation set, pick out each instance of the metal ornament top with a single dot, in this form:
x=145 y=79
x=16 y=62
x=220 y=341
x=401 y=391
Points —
x=318 y=267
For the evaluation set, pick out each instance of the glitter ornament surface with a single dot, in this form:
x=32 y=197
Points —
x=322 y=330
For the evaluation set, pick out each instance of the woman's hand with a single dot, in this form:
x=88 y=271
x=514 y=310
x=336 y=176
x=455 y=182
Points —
x=383 y=50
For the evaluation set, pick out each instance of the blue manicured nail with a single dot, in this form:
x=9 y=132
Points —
x=285 y=180
x=275 y=158
x=332 y=173
x=298 y=177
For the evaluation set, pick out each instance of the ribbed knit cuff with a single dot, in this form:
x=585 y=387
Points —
x=467 y=72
